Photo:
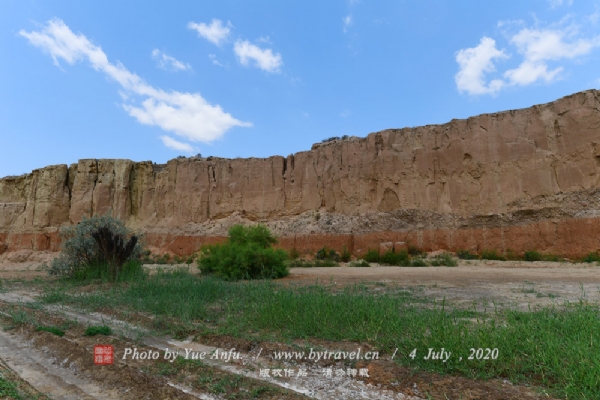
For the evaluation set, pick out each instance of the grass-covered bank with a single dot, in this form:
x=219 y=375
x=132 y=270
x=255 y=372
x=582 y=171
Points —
x=554 y=347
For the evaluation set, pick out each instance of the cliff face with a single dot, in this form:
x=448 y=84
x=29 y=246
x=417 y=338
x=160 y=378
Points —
x=493 y=170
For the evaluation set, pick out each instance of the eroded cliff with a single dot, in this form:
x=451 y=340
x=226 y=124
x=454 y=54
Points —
x=473 y=182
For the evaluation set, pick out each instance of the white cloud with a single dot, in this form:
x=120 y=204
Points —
x=540 y=46
x=474 y=63
x=557 y=3
x=264 y=59
x=185 y=114
x=216 y=32
x=176 y=145
x=347 y=20
x=167 y=62
x=214 y=60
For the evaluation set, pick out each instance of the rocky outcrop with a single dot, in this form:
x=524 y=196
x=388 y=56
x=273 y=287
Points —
x=490 y=173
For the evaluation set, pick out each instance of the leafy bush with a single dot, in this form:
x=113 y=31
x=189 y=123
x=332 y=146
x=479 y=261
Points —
x=372 y=256
x=246 y=255
x=346 y=255
x=418 y=262
x=466 y=255
x=80 y=251
x=532 y=256
x=443 y=260
x=327 y=254
x=492 y=255
x=397 y=259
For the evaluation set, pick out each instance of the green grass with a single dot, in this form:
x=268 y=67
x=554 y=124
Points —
x=98 y=330
x=466 y=255
x=8 y=389
x=553 y=347
x=301 y=263
x=52 y=329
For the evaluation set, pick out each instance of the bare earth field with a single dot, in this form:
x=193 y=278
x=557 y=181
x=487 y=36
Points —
x=42 y=364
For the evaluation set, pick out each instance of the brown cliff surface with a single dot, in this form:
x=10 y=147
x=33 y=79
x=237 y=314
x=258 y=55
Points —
x=521 y=179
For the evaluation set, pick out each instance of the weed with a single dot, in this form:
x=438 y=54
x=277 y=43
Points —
x=359 y=263
x=397 y=259
x=294 y=254
x=372 y=256
x=466 y=255
x=52 y=329
x=532 y=256
x=443 y=260
x=345 y=257
x=418 y=262
x=492 y=255
x=327 y=254
x=98 y=330
x=592 y=257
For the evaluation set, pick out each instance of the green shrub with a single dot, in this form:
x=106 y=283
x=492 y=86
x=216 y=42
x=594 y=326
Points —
x=466 y=255
x=98 y=330
x=415 y=251
x=372 y=256
x=592 y=257
x=418 y=262
x=532 y=256
x=359 y=263
x=492 y=255
x=327 y=254
x=95 y=243
x=246 y=255
x=51 y=329
x=346 y=255
x=443 y=260
x=397 y=259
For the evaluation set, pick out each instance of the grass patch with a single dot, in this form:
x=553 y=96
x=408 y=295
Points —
x=301 y=263
x=8 y=389
x=551 y=347
x=52 y=329
x=98 y=330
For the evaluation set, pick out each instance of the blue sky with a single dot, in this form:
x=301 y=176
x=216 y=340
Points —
x=149 y=80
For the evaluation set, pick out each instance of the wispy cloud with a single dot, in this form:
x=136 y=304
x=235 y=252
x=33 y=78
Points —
x=558 y=3
x=216 y=32
x=263 y=59
x=214 y=60
x=169 y=63
x=187 y=115
x=347 y=21
x=474 y=63
x=176 y=145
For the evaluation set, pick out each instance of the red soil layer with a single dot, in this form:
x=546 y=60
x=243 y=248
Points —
x=569 y=238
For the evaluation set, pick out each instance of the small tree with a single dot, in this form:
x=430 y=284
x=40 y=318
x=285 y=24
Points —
x=81 y=251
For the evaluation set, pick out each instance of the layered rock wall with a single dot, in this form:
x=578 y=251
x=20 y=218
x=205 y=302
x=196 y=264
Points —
x=501 y=172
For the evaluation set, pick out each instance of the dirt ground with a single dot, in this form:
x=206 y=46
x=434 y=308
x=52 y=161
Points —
x=45 y=363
